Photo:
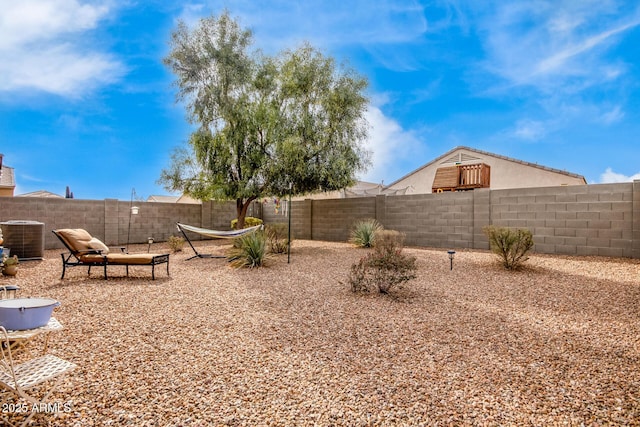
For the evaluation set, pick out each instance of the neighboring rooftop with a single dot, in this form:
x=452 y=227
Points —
x=173 y=199
x=486 y=153
x=7 y=179
x=41 y=193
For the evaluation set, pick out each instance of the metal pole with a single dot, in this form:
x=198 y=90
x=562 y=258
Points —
x=289 y=232
x=130 y=213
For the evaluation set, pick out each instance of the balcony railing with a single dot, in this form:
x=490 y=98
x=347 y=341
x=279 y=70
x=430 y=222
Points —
x=462 y=177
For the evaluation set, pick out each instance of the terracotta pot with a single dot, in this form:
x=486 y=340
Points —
x=10 y=270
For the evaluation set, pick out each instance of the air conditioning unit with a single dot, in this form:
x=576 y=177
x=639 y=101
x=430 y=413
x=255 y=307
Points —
x=24 y=238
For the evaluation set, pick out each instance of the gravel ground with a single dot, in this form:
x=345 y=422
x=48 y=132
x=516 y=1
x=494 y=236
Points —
x=289 y=345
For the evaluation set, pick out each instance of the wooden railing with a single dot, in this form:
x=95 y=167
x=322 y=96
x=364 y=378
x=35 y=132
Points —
x=473 y=176
x=462 y=177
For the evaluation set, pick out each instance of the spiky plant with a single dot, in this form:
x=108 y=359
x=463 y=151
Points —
x=249 y=251
x=364 y=232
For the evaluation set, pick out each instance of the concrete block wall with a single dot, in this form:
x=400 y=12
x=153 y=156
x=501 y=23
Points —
x=481 y=217
x=600 y=219
x=58 y=213
x=333 y=219
x=572 y=220
x=301 y=217
x=432 y=220
x=635 y=227
x=106 y=219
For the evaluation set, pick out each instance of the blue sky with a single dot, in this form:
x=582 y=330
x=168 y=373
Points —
x=86 y=102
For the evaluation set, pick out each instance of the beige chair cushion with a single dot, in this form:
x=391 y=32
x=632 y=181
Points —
x=77 y=238
x=92 y=258
x=130 y=259
x=98 y=245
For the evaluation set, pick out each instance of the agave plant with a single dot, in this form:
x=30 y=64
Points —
x=249 y=250
x=364 y=232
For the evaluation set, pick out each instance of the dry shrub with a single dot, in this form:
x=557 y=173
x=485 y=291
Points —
x=384 y=268
x=277 y=237
x=511 y=246
x=176 y=243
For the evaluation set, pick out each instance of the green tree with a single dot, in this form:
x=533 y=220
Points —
x=264 y=123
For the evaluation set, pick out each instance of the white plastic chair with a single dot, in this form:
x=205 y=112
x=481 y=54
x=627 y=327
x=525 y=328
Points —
x=19 y=378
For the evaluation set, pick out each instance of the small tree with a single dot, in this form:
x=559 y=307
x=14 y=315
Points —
x=268 y=126
x=511 y=246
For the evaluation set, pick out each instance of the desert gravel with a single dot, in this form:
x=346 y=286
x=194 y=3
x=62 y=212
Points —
x=557 y=343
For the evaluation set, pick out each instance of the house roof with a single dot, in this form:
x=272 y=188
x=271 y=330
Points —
x=486 y=153
x=162 y=199
x=41 y=193
x=173 y=199
x=366 y=189
x=7 y=177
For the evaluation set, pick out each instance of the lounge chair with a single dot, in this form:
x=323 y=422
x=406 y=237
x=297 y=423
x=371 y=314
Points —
x=87 y=251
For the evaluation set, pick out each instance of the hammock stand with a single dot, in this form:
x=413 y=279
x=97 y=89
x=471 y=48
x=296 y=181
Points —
x=232 y=234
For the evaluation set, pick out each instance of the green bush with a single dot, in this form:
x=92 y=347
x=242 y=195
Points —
x=249 y=221
x=385 y=268
x=510 y=245
x=176 y=243
x=364 y=232
x=277 y=237
x=249 y=250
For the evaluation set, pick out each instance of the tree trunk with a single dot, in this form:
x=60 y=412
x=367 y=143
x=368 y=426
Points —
x=241 y=209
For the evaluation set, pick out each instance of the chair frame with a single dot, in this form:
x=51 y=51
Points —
x=19 y=378
x=73 y=259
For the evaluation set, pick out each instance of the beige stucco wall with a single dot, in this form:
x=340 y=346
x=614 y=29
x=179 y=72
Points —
x=505 y=174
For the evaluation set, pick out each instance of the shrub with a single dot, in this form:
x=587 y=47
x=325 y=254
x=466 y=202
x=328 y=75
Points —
x=364 y=232
x=277 y=237
x=249 y=221
x=385 y=268
x=249 y=250
x=176 y=243
x=510 y=245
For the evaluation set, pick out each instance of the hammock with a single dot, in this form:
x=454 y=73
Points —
x=216 y=234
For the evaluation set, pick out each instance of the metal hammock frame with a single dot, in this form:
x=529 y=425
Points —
x=216 y=234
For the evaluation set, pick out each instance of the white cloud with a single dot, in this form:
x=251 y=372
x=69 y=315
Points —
x=610 y=176
x=35 y=20
x=391 y=146
x=612 y=116
x=546 y=44
x=42 y=44
x=285 y=24
x=531 y=130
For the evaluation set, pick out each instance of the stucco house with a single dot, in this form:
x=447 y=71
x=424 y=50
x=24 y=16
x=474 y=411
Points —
x=465 y=168
x=7 y=180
